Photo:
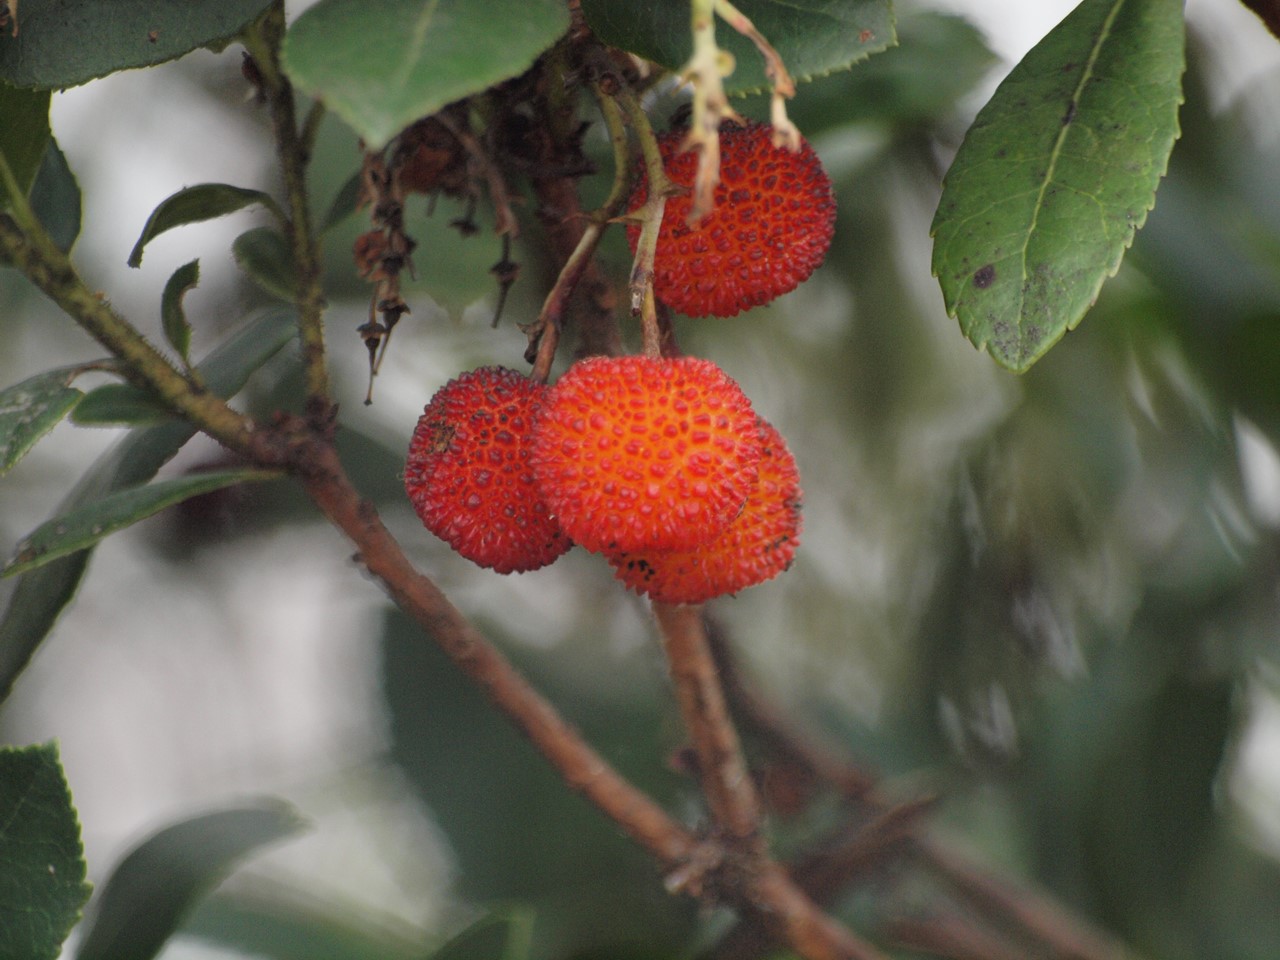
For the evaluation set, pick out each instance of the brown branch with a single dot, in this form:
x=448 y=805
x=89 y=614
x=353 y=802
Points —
x=730 y=793
x=582 y=768
x=1031 y=914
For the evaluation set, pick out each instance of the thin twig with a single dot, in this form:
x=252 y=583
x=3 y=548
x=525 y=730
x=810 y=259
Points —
x=292 y=150
x=705 y=71
x=504 y=220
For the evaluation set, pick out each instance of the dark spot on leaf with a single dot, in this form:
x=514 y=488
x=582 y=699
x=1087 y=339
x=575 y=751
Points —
x=1070 y=114
x=983 y=277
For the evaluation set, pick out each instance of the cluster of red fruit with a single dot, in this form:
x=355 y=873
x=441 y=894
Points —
x=661 y=465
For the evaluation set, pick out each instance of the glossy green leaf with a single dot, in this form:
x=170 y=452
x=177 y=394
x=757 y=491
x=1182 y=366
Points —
x=63 y=43
x=24 y=133
x=120 y=404
x=813 y=37
x=40 y=596
x=55 y=198
x=381 y=66
x=176 y=328
x=42 y=868
x=147 y=895
x=263 y=253
x=206 y=201
x=83 y=527
x=1057 y=173
x=30 y=409
x=344 y=202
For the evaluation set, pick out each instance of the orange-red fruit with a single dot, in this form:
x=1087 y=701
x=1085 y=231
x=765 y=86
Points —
x=759 y=544
x=633 y=453
x=769 y=228
x=469 y=477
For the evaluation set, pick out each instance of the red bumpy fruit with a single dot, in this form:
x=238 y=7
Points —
x=769 y=228
x=633 y=453
x=758 y=545
x=469 y=477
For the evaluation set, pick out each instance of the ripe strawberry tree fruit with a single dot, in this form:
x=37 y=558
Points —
x=770 y=227
x=469 y=477
x=639 y=453
x=759 y=544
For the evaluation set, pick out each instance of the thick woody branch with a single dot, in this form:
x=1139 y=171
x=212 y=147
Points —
x=726 y=783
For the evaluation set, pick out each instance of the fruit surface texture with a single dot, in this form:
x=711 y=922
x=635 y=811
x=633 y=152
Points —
x=769 y=229
x=638 y=453
x=759 y=544
x=469 y=476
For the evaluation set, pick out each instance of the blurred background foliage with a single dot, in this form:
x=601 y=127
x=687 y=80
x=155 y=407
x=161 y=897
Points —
x=1051 y=601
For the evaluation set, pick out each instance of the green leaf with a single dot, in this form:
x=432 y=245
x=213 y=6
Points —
x=504 y=934
x=55 y=198
x=813 y=37
x=381 y=66
x=1057 y=173
x=30 y=409
x=67 y=42
x=263 y=253
x=83 y=527
x=344 y=202
x=42 y=868
x=206 y=201
x=116 y=404
x=24 y=133
x=145 y=899
x=176 y=327
x=42 y=594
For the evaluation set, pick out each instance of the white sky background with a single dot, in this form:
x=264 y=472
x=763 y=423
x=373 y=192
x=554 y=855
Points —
x=289 y=704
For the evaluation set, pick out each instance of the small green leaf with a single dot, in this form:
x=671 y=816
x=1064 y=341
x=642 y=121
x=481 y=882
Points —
x=176 y=328
x=263 y=253
x=813 y=37
x=55 y=198
x=145 y=899
x=1057 y=173
x=63 y=43
x=116 y=404
x=85 y=526
x=206 y=201
x=344 y=202
x=40 y=596
x=24 y=134
x=30 y=409
x=381 y=66
x=42 y=868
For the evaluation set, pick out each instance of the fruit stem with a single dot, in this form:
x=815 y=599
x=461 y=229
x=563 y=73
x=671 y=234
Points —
x=650 y=217
x=705 y=71
x=785 y=133
x=544 y=333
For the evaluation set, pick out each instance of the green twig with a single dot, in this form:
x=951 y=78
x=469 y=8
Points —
x=650 y=217
x=34 y=253
x=263 y=42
